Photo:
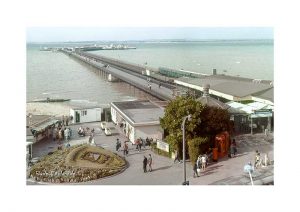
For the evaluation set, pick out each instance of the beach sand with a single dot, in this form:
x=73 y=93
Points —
x=53 y=109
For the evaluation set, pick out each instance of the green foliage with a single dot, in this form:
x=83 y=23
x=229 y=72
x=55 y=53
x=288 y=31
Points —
x=197 y=146
x=174 y=113
x=206 y=123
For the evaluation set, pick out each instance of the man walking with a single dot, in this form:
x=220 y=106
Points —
x=150 y=163
x=118 y=144
x=176 y=157
x=145 y=164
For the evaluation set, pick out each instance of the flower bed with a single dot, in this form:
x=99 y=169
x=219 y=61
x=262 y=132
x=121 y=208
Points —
x=77 y=164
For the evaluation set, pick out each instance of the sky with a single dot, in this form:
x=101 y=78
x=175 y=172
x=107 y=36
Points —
x=65 y=34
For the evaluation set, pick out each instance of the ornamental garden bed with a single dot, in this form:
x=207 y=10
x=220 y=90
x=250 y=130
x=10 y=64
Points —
x=77 y=164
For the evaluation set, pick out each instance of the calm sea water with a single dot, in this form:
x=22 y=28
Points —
x=56 y=75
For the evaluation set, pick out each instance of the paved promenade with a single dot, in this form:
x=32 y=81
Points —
x=227 y=171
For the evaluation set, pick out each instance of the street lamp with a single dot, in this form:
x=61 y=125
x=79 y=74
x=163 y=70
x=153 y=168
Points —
x=248 y=168
x=189 y=117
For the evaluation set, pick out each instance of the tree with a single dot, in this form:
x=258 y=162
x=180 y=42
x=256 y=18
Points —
x=172 y=120
x=213 y=121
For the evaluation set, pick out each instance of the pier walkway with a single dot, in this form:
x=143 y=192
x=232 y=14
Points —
x=128 y=73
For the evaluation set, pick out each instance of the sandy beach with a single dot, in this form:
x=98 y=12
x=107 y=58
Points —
x=53 y=109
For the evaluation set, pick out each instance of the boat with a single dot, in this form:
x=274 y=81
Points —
x=51 y=100
x=45 y=49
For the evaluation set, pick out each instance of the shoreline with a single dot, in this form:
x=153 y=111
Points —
x=50 y=108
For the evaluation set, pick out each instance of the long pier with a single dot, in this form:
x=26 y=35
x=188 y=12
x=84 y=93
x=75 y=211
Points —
x=129 y=73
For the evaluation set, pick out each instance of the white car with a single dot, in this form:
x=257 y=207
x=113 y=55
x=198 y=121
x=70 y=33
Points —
x=103 y=125
x=107 y=131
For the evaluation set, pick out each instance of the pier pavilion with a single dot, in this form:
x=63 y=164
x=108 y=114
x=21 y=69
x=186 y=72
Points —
x=138 y=118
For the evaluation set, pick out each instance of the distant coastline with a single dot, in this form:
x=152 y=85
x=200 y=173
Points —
x=153 y=41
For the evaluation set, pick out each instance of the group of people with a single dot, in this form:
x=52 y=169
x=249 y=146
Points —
x=65 y=120
x=149 y=83
x=142 y=143
x=200 y=164
x=147 y=161
x=259 y=161
x=61 y=133
x=125 y=147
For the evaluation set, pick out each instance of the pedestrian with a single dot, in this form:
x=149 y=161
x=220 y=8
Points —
x=63 y=120
x=159 y=85
x=62 y=133
x=125 y=149
x=66 y=134
x=67 y=121
x=145 y=164
x=206 y=159
x=138 y=147
x=203 y=161
x=150 y=86
x=234 y=147
x=231 y=151
x=118 y=144
x=70 y=133
x=199 y=161
x=176 y=156
x=60 y=137
x=195 y=170
x=143 y=143
x=257 y=160
x=150 y=163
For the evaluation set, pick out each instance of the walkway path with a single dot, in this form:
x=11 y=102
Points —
x=165 y=172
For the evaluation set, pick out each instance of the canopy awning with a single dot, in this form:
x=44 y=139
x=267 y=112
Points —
x=261 y=115
x=45 y=125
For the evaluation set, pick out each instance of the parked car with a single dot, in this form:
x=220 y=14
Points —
x=103 y=125
x=109 y=130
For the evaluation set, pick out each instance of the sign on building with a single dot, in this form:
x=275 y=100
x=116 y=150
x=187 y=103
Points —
x=163 y=146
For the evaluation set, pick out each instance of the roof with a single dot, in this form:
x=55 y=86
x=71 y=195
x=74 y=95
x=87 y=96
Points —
x=253 y=108
x=230 y=85
x=45 y=124
x=266 y=94
x=84 y=108
x=246 y=108
x=36 y=119
x=141 y=112
x=212 y=102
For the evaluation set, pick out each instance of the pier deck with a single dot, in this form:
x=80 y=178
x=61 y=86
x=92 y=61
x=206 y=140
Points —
x=128 y=74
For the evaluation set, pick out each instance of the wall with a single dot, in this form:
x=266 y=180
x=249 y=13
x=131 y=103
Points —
x=91 y=115
x=113 y=114
x=154 y=132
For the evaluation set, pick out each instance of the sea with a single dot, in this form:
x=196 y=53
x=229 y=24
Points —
x=56 y=75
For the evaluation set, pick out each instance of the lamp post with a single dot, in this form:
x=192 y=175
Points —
x=249 y=169
x=189 y=117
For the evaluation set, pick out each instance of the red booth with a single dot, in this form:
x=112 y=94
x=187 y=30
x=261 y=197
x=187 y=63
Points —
x=222 y=142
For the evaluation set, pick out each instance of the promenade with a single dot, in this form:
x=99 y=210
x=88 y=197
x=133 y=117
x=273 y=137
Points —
x=227 y=171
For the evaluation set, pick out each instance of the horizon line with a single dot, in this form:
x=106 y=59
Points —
x=147 y=40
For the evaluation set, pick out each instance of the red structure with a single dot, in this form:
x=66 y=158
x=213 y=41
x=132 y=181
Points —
x=222 y=143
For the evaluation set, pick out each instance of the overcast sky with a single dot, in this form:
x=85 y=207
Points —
x=64 y=34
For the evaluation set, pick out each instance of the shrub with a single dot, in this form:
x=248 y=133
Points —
x=197 y=146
